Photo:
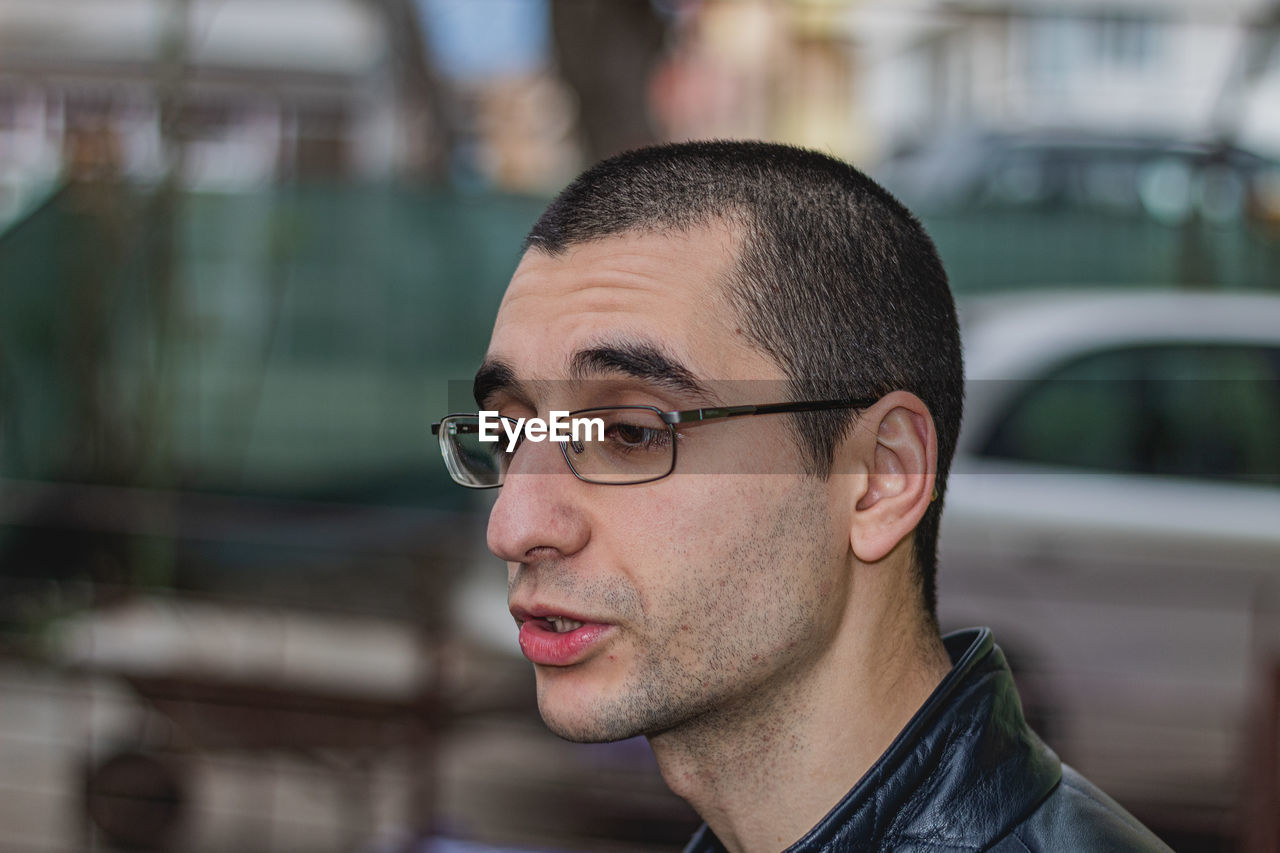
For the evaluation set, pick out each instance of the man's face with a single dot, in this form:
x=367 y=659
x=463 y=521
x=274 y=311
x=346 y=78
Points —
x=710 y=591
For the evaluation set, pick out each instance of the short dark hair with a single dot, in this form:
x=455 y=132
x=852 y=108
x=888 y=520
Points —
x=835 y=279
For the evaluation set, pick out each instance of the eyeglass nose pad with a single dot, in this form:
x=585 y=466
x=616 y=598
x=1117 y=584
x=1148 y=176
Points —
x=577 y=446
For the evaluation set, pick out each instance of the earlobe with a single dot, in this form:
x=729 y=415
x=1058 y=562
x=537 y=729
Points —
x=900 y=476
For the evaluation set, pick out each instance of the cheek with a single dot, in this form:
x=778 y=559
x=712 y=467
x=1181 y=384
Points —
x=702 y=519
x=745 y=562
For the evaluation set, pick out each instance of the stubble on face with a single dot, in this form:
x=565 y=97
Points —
x=729 y=640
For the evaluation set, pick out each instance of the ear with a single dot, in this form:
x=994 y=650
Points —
x=902 y=466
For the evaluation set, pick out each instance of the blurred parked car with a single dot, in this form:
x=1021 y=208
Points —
x=1169 y=180
x=1042 y=210
x=1114 y=515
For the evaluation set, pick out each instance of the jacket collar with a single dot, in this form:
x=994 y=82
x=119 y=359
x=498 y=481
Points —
x=964 y=770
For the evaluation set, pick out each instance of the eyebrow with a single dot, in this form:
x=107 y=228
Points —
x=493 y=376
x=637 y=359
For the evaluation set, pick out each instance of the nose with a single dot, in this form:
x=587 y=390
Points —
x=539 y=512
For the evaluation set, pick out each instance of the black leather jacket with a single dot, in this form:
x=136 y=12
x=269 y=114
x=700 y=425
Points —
x=966 y=774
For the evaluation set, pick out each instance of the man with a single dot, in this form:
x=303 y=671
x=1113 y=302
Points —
x=740 y=563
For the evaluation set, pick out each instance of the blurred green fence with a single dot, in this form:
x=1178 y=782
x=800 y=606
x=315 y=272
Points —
x=989 y=249
x=286 y=341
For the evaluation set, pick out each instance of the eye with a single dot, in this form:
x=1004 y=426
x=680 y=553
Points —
x=631 y=434
x=630 y=437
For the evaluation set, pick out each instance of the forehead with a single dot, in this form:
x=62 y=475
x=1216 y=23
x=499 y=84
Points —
x=665 y=290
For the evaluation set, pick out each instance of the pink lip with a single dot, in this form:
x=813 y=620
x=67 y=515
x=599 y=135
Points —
x=542 y=645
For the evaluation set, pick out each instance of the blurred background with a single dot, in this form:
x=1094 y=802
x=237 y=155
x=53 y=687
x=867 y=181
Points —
x=245 y=245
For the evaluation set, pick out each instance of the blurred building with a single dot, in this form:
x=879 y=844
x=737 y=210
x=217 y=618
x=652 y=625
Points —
x=255 y=90
x=1176 y=68
x=500 y=90
x=863 y=77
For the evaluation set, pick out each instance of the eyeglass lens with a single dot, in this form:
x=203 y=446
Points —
x=614 y=446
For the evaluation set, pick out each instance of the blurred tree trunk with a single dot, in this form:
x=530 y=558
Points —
x=606 y=51
x=429 y=112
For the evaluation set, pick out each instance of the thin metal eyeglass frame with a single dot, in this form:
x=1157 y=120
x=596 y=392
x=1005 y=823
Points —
x=687 y=416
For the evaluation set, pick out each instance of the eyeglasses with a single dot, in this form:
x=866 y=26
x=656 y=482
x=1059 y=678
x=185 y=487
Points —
x=628 y=446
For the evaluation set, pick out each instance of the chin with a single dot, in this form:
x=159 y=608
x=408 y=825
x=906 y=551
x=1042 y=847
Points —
x=575 y=712
x=576 y=733
x=582 y=726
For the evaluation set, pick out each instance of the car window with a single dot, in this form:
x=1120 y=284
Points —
x=1180 y=410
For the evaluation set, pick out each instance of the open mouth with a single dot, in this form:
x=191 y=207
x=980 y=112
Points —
x=555 y=640
x=559 y=624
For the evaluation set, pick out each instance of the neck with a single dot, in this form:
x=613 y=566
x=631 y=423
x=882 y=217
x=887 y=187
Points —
x=766 y=770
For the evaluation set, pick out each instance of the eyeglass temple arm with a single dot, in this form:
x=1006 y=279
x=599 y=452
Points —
x=464 y=429
x=694 y=415
x=455 y=427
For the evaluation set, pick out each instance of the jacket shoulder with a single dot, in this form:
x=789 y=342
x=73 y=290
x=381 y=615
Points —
x=1077 y=816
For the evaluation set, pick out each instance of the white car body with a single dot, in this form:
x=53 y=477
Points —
x=1138 y=609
